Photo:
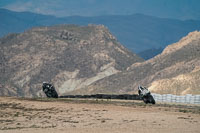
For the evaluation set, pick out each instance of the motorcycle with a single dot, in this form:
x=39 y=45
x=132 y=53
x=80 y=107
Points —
x=145 y=94
x=49 y=90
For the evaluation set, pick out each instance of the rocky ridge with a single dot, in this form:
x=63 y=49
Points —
x=175 y=70
x=70 y=56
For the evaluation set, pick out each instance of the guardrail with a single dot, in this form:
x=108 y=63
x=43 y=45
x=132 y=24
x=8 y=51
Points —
x=106 y=96
x=169 y=98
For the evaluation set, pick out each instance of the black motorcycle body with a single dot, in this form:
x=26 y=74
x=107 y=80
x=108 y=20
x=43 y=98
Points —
x=49 y=90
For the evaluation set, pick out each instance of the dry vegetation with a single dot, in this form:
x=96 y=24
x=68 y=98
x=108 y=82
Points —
x=84 y=115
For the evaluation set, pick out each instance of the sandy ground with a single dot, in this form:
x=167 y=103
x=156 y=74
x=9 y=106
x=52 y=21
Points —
x=86 y=116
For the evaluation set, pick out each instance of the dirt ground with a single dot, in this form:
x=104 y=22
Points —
x=18 y=115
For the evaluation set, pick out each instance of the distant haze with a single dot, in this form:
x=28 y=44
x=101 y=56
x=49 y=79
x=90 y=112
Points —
x=179 y=9
x=137 y=32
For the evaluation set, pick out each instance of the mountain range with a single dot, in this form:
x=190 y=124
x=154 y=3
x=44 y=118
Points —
x=90 y=60
x=137 y=32
x=69 y=56
x=175 y=71
x=178 y=9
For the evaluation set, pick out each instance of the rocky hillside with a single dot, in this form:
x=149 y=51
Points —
x=176 y=70
x=71 y=57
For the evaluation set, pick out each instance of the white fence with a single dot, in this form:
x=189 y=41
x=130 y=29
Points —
x=189 y=99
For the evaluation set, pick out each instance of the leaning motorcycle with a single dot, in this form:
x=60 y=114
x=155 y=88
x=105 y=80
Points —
x=49 y=90
x=145 y=94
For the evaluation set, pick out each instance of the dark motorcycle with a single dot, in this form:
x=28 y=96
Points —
x=145 y=94
x=49 y=90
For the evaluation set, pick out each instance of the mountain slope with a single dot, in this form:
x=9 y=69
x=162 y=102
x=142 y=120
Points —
x=175 y=71
x=137 y=32
x=70 y=56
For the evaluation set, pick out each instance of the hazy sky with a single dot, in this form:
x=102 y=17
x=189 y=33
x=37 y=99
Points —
x=181 y=9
